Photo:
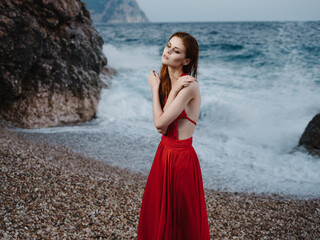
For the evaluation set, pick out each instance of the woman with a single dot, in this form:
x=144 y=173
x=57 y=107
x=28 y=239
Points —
x=173 y=205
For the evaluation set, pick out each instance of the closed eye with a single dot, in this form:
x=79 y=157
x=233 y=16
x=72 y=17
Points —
x=176 y=50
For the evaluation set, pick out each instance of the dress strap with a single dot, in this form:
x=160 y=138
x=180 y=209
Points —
x=184 y=115
x=191 y=120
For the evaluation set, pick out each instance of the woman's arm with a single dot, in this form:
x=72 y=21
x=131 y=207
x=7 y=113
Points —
x=182 y=82
x=157 y=109
x=162 y=119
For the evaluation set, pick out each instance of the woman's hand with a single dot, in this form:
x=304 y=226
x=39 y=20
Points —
x=154 y=80
x=162 y=131
x=182 y=82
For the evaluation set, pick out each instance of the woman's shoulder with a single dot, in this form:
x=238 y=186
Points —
x=193 y=87
x=191 y=91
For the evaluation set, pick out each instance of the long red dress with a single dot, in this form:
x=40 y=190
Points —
x=173 y=205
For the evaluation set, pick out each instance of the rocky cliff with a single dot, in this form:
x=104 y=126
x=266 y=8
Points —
x=50 y=60
x=115 y=11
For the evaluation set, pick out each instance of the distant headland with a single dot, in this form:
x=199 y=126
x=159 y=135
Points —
x=115 y=11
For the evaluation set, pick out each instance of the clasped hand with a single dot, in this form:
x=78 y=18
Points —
x=184 y=81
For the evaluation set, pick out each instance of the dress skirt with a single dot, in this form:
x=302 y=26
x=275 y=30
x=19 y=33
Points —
x=173 y=205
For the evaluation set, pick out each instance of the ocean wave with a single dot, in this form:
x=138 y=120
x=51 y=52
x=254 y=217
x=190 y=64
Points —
x=259 y=86
x=248 y=55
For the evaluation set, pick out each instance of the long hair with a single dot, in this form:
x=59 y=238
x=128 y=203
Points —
x=192 y=52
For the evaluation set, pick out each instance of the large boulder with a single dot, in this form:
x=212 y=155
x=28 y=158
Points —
x=50 y=61
x=310 y=139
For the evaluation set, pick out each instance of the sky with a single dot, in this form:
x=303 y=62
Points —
x=230 y=10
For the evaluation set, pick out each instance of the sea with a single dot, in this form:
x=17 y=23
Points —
x=260 y=87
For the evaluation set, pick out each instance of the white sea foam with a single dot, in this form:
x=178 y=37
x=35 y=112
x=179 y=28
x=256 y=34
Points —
x=131 y=58
x=247 y=133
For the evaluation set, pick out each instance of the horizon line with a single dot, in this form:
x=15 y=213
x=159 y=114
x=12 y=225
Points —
x=215 y=21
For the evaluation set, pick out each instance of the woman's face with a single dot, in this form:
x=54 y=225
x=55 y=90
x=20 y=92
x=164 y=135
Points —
x=174 y=54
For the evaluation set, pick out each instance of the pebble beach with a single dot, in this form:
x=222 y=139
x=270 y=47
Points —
x=49 y=192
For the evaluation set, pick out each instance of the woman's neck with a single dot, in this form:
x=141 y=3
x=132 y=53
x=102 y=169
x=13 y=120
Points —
x=174 y=74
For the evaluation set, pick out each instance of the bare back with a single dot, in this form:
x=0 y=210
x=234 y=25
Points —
x=185 y=126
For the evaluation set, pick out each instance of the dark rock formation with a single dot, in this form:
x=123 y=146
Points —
x=50 y=60
x=310 y=139
x=115 y=11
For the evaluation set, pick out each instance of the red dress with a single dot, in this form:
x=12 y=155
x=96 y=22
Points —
x=173 y=205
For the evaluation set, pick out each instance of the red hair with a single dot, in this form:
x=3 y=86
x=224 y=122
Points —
x=192 y=52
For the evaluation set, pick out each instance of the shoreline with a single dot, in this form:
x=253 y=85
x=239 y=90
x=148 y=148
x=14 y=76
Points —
x=49 y=191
